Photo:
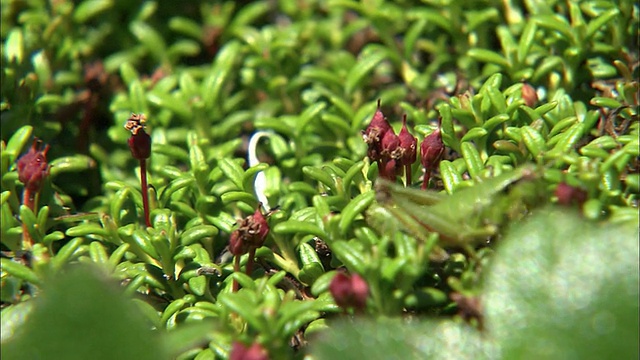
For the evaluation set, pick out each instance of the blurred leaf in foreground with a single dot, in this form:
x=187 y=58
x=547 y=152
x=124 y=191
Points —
x=398 y=339
x=559 y=287
x=564 y=287
x=80 y=315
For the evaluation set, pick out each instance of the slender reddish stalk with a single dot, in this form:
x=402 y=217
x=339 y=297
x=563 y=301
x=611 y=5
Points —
x=140 y=146
x=249 y=266
x=251 y=260
x=425 y=180
x=145 y=191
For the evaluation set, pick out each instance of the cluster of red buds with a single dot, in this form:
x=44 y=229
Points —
x=394 y=152
x=349 y=291
x=251 y=234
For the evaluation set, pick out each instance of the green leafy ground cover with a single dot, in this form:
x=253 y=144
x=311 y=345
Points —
x=525 y=245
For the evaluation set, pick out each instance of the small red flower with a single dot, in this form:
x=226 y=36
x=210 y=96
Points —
x=241 y=352
x=390 y=144
x=568 y=194
x=431 y=151
x=251 y=233
x=408 y=143
x=140 y=141
x=390 y=168
x=349 y=291
x=374 y=133
x=390 y=164
x=529 y=95
x=237 y=245
x=33 y=167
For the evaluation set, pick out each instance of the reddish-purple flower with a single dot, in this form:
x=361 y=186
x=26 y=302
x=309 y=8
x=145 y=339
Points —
x=568 y=194
x=390 y=164
x=349 y=291
x=408 y=146
x=529 y=95
x=374 y=133
x=239 y=351
x=390 y=144
x=408 y=143
x=140 y=141
x=33 y=167
x=431 y=151
x=251 y=233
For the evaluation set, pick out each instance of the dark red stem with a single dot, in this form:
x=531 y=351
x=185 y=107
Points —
x=145 y=191
x=425 y=180
x=252 y=255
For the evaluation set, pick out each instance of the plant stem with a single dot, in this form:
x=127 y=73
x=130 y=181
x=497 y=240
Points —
x=145 y=191
x=250 y=260
x=236 y=268
x=28 y=199
x=407 y=175
x=425 y=180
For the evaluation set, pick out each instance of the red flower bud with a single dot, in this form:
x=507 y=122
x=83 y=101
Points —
x=237 y=245
x=262 y=227
x=33 y=168
x=529 y=95
x=374 y=133
x=390 y=145
x=391 y=168
x=251 y=233
x=140 y=141
x=431 y=151
x=255 y=352
x=140 y=145
x=408 y=143
x=568 y=194
x=390 y=164
x=349 y=291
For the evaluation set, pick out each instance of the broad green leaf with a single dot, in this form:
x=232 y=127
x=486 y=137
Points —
x=14 y=46
x=399 y=339
x=361 y=69
x=80 y=315
x=489 y=56
x=563 y=287
x=353 y=209
x=89 y=9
